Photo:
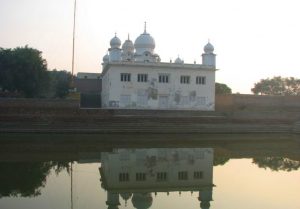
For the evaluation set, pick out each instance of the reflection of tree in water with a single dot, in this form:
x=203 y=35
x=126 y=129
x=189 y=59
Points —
x=220 y=160
x=26 y=179
x=277 y=163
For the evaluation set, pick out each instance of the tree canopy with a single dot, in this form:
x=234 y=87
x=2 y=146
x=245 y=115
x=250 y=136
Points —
x=23 y=70
x=277 y=163
x=222 y=89
x=27 y=179
x=277 y=86
x=23 y=73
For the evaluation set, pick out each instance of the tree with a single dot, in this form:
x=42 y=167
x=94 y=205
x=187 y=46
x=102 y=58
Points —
x=277 y=163
x=220 y=160
x=60 y=83
x=222 y=89
x=277 y=86
x=27 y=179
x=23 y=70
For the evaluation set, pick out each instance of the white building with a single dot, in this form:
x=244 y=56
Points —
x=134 y=77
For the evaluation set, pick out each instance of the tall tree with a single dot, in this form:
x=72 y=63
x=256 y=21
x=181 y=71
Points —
x=23 y=69
x=277 y=86
x=222 y=88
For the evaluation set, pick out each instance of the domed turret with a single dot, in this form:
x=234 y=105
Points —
x=115 y=51
x=208 y=57
x=144 y=43
x=209 y=48
x=142 y=201
x=115 y=42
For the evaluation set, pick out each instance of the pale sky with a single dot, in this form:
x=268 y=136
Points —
x=253 y=39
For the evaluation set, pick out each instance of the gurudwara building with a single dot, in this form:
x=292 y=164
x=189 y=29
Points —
x=134 y=77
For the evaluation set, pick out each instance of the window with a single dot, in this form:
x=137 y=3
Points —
x=201 y=80
x=198 y=175
x=183 y=175
x=161 y=176
x=123 y=177
x=140 y=176
x=163 y=78
x=85 y=77
x=185 y=79
x=125 y=77
x=142 y=78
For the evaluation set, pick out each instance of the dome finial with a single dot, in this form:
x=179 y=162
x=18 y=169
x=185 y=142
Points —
x=145 y=27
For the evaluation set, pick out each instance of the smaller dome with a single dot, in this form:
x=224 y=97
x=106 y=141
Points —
x=209 y=48
x=178 y=60
x=105 y=58
x=115 y=42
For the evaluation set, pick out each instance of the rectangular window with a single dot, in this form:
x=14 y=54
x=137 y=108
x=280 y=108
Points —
x=198 y=175
x=161 y=176
x=182 y=175
x=125 y=77
x=201 y=80
x=142 y=78
x=163 y=78
x=140 y=176
x=185 y=79
x=123 y=177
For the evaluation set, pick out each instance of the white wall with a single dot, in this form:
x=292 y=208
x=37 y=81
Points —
x=192 y=93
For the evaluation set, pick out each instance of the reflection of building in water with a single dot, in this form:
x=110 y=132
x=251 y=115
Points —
x=137 y=173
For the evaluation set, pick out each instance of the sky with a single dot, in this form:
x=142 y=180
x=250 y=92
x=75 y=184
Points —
x=253 y=39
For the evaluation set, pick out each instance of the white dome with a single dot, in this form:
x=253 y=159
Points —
x=144 y=43
x=179 y=61
x=115 y=42
x=106 y=58
x=209 y=48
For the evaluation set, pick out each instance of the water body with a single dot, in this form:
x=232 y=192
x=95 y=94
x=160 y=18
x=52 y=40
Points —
x=215 y=174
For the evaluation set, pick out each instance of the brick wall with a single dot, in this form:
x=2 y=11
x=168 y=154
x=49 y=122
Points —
x=256 y=102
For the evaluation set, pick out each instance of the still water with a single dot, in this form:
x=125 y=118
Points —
x=232 y=175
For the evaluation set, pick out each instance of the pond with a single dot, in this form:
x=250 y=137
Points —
x=218 y=174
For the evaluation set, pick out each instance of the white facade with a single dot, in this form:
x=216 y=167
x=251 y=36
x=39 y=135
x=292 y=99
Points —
x=134 y=77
